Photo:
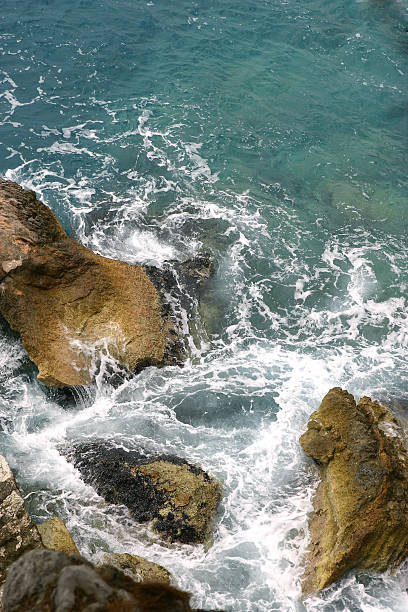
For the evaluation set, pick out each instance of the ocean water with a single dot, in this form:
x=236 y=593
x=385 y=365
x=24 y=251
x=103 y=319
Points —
x=273 y=134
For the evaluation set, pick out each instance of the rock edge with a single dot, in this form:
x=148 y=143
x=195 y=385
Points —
x=360 y=517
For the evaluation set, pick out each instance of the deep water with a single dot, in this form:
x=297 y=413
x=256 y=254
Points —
x=272 y=134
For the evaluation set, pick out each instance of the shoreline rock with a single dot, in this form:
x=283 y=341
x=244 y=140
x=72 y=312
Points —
x=37 y=574
x=70 y=305
x=55 y=536
x=179 y=498
x=18 y=533
x=137 y=568
x=56 y=582
x=360 y=517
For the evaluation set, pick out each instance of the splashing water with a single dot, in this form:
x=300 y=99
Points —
x=271 y=134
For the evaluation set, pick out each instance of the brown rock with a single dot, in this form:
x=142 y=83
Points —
x=178 y=497
x=55 y=536
x=69 y=304
x=50 y=581
x=191 y=498
x=18 y=534
x=138 y=568
x=360 y=515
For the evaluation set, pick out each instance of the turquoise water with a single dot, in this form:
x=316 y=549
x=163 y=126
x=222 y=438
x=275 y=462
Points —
x=272 y=134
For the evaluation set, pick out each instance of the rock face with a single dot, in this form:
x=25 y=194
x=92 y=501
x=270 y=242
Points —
x=18 y=534
x=180 y=498
x=137 y=567
x=69 y=304
x=360 y=515
x=55 y=536
x=49 y=581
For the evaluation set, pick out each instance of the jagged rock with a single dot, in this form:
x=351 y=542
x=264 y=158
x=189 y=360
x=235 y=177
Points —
x=55 y=536
x=199 y=268
x=179 y=498
x=193 y=273
x=18 y=534
x=180 y=285
x=69 y=304
x=137 y=567
x=360 y=515
x=49 y=581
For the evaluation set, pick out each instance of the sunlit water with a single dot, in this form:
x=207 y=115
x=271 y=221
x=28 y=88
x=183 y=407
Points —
x=272 y=134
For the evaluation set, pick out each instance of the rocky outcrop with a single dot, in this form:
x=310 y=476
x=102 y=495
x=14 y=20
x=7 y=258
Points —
x=70 y=305
x=49 y=581
x=180 y=285
x=360 y=515
x=55 y=536
x=18 y=534
x=138 y=568
x=179 y=498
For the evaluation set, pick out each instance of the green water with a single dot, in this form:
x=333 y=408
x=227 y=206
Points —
x=272 y=134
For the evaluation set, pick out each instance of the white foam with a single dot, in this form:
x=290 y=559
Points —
x=238 y=407
x=145 y=247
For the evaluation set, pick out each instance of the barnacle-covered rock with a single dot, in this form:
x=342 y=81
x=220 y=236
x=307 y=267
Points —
x=179 y=498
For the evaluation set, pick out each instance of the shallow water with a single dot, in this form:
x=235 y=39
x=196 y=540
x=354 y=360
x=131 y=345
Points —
x=272 y=134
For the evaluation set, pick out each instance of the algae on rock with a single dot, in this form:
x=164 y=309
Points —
x=179 y=498
x=360 y=517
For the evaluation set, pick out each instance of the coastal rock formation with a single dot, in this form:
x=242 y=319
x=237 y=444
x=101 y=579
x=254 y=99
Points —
x=360 y=515
x=180 y=285
x=70 y=305
x=55 y=536
x=18 y=534
x=137 y=567
x=179 y=498
x=49 y=581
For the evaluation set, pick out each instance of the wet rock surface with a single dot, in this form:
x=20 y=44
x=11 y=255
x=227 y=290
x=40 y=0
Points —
x=49 y=581
x=69 y=304
x=179 y=498
x=360 y=515
x=55 y=536
x=180 y=285
x=137 y=568
x=18 y=534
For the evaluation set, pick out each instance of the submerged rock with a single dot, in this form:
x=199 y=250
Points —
x=360 y=515
x=18 y=533
x=55 y=536
x=138 y=568
x=70 y=305
x=49 y=581
x=180 y=285
x=179 y=498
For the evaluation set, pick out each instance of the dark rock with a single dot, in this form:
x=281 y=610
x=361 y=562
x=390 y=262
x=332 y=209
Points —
x=182 y=279
x=360 y=515
x=180 y=498
x=49 y=581
x=180 y=287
